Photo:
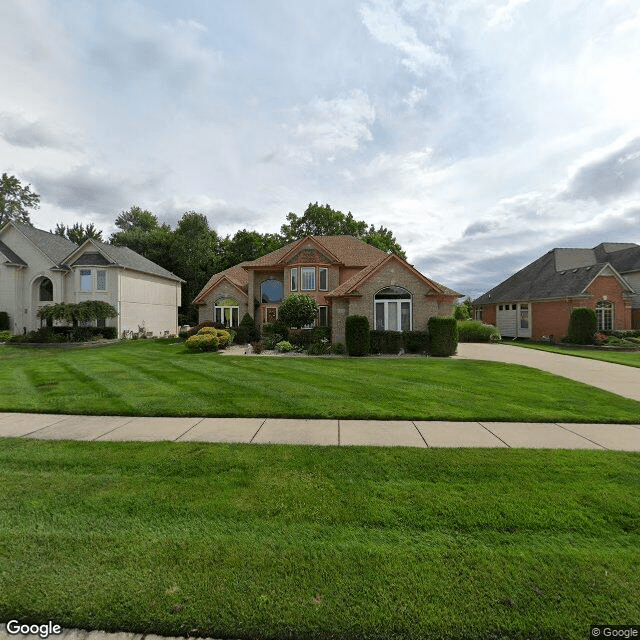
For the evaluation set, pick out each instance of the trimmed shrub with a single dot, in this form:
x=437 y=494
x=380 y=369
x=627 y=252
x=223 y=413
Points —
x=475 y=331
x=5 y=335
x=302 y=338
x=284 y=346
x=443 y=336
x=416 y=341
x=246 y=331
x=357 y=335
x=319 y=348
x=206 y=330
x=4 y=321
x=582 y=326
x=194 y=330
x=202 y=342
x=298 y=310
x=385 y=341
x=271 y=341
x=338 y=349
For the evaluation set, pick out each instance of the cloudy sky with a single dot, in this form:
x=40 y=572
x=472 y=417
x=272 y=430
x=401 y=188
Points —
x=483 y=133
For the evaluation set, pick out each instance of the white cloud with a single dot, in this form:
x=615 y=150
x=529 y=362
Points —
x=327 y=127
x=387 y=26
x=504 y=15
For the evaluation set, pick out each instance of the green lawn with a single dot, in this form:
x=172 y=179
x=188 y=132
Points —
x=245 y=541
x=628 y=358
x=162 y=378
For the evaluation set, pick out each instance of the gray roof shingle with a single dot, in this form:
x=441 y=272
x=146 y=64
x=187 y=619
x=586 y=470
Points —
x=562 y=273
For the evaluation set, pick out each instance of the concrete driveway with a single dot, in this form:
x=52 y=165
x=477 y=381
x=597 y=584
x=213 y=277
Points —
x=617 y=378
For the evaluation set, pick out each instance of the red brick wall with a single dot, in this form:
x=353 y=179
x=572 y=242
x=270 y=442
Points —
x=552 y=317
x=635 y=319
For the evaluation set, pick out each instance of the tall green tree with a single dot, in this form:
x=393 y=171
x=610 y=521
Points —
x=78 y=233
x=248 y=245
x=321 y=220
x=16 y=200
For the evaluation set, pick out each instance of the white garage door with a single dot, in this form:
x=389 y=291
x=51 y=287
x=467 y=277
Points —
x=507 y=319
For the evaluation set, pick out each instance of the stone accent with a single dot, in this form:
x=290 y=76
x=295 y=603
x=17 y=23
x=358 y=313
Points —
x=225 y=290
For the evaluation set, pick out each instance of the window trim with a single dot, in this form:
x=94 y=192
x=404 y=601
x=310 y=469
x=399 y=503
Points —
x=84 y=273
x=302 y=274
x=385 y=313
x=326 y=278
x=604 y=308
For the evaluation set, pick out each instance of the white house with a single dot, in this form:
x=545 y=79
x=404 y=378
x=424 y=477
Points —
x=39 y=268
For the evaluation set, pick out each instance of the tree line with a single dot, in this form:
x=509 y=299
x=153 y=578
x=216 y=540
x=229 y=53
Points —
x=193 y=250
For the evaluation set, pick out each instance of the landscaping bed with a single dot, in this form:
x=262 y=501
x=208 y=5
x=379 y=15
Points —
x=240 y=541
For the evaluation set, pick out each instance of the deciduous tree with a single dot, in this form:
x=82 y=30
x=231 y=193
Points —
x=16 y=200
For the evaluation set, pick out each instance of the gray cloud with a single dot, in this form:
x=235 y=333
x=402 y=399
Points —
x=88 y=191
x=32 y=134
x=615 y=174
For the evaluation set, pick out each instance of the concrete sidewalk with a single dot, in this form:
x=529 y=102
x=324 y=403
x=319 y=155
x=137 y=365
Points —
x=406 y=433
x=80 y=634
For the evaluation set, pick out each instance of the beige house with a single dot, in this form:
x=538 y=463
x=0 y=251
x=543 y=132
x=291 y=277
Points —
x=344 y=275
x=39 y=268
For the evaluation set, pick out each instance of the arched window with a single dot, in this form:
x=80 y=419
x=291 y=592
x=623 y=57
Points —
x=46 y=290
x=393 y=309
x=226 y=312
x=271 y=291
x=604 y=314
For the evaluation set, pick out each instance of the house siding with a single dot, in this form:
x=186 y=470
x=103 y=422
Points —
x=225 y=290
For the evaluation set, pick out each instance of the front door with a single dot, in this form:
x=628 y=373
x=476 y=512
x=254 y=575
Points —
x=524 y=320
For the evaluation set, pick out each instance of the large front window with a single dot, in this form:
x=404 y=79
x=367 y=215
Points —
x=604 y=314
x=393 y=309
x=271 y=291
x=226 y=312
x=308 y=277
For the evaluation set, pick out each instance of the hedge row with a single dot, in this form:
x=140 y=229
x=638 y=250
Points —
x=393 y=341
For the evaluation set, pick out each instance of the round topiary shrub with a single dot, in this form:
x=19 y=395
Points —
x=202 y=342
x=443 y=335
x=284 y=347
x=357 y=335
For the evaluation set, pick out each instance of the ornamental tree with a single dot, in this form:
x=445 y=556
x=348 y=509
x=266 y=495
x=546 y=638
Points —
x=298 y=310
x=76 y=313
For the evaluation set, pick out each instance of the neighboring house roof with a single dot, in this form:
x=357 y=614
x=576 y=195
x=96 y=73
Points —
x=129 y=259
x=348 y=250
x=11 y=256
x=235 y=275
x=562 y=273
x=61 y=252
x=55 y=247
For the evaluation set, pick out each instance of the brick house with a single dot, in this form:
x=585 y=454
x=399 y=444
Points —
x=537 y=301
x=344 y=275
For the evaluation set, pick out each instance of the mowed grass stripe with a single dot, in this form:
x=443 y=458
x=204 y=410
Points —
x=161 y=378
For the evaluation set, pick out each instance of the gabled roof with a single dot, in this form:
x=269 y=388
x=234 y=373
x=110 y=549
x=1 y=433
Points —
x=55 y=247
x=562 y=273
x=11 y=256
x=351 y=285
x=120 y=257
x=348 y=250
x=236 y=275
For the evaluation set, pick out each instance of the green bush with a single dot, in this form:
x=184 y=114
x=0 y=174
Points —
x=319 y=348
x=416 y=341
x=195 y=330
x=5 y=325
x=443 y=336
x=284 y=347
x=338 y=349
x=582 y=326
x=202 y=342
x=302 y=338
x=475 y=331
x=357 y=335
x=385 y=341
x=461 y=312
x=4 y=335
x=247 y=331
x=271 y=341
x=298 y=310
x=224 y=337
